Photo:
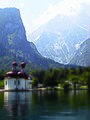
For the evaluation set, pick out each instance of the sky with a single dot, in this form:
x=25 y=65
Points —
x=35 y=13
x=30 y=10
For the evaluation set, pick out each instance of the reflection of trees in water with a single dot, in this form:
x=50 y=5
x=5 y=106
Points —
x=70 y=99
x=79 y=99
x=1 y=99
x=37 y=104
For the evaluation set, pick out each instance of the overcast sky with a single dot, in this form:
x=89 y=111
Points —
x=37 y=12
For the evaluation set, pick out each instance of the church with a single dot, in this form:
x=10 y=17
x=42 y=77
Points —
x=17 y=80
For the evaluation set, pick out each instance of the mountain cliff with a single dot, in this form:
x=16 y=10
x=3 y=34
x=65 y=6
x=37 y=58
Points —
x=82 y=56
x=14 y=44
x=60 y=38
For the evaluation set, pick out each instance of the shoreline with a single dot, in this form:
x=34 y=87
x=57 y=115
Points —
x=42 y=89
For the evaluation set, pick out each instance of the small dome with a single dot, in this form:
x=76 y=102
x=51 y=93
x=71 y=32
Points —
x=14 y=64
x=11 y=74
x=23 y=64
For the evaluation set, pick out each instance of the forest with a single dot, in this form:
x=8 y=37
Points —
x=67 y=78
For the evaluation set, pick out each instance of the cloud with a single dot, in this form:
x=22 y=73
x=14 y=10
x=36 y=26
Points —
x=66 y=7
x=46 y=16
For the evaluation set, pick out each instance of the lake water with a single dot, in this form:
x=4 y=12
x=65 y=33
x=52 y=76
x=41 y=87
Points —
x=45 y=105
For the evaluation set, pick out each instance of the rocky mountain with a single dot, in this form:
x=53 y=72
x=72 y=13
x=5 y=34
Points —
x=82 y=56
x=14 y=44
x=60 y=38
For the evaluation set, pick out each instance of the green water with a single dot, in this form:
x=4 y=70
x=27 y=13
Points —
x=45 y=105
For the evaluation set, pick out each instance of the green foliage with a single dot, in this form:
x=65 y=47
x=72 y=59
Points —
x=47 y=79
x=34 y=82
x=63 y=76
x=1 y=83
x=80 y=70
x=66 y=85
x=87 y=78
x=73 y=71
x=55 y=76
x=38 y=74
x=2 y=74
x=74 y=80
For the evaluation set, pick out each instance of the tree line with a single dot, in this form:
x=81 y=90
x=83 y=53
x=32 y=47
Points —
x=66 y=77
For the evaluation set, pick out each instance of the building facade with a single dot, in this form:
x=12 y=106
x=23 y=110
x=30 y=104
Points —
x=17 y=80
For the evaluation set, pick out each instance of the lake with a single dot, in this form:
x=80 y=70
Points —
x=45 y=105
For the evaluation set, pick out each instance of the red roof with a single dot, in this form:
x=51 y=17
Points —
x=11 y=74
x=23 y=75
x=23 y=64
x=16 y=74
x=14 y=64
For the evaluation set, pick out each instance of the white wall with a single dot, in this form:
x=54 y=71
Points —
x=30 y=83
x=10 y=84
x=20 y=84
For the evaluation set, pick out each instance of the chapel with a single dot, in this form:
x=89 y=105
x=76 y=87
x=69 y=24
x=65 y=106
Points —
x=17 y=80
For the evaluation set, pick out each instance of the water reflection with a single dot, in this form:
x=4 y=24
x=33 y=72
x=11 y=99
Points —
x=16 y=103
x=46 y=105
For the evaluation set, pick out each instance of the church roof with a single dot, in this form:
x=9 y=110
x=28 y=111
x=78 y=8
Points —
x=17 y=74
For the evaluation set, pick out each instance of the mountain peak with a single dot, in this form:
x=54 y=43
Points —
x=63 y=32
x=14 y=41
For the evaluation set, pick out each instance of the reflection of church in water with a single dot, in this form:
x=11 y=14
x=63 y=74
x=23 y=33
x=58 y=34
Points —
x=16 y=104
x=17 y=80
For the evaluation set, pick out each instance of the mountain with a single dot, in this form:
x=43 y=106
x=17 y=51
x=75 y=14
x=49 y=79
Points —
x=14 y=44
x=60 y=38
x=82 y=56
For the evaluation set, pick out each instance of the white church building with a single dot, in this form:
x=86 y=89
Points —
x=17 y=80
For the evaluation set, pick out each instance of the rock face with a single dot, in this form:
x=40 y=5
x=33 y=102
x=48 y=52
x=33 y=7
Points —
x=82 y=56
x=13 y=35
x=14 y=42
x=60 y=38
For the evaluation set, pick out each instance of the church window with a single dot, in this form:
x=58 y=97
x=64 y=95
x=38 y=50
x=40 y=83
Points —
x=6 y=82
x=14 y=82
x=18 y=82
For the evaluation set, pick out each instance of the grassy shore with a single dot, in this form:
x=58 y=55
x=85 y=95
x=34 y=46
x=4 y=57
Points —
x=1 y=84
x=61 y=88
x=49 y=88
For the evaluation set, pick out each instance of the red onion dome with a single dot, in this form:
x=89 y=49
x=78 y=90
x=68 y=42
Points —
x=22 y=75
x=14 y=64
x=11 y=74
x=23 y=64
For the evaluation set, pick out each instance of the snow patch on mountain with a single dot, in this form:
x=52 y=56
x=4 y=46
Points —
x=61 y=37
x=77 y=46
x=36 y=38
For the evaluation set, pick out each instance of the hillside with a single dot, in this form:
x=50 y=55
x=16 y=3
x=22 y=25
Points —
x=14 y=44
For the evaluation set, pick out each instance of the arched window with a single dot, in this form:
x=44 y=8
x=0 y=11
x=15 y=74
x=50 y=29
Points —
x=18 y=82
x=6 y=82
x=15 y=82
